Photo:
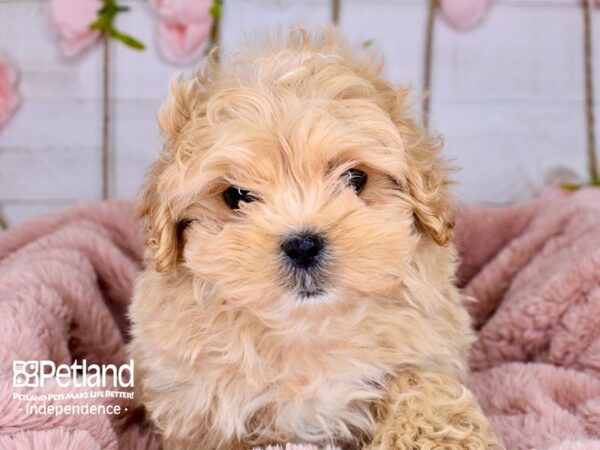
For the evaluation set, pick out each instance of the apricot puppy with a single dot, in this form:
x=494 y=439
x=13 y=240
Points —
x=300 y=271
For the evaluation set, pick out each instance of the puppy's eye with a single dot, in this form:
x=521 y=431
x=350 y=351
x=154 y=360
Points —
x=356 y=179
x=234 y=195
x=183 y=224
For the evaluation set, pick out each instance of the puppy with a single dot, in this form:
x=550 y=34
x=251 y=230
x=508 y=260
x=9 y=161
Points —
x=300 y=278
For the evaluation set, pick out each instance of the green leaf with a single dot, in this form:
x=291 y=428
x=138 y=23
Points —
x=215 y=10
x=97 y=25
x=368 y=43
x=105 y=24
x=575 y=186
x=570 y=186
x=126 y=39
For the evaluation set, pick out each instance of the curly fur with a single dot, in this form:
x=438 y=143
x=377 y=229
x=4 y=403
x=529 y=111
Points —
x=227 y=356
x=428 y=410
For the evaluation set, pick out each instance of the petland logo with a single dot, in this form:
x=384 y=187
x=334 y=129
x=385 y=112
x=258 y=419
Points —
x=78 y=374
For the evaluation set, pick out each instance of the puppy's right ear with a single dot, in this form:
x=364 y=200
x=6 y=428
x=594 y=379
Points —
x=155 y=201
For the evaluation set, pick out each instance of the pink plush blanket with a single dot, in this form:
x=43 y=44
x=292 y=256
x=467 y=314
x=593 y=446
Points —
x=534 y=268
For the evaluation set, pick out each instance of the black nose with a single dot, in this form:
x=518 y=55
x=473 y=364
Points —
x=303 y=250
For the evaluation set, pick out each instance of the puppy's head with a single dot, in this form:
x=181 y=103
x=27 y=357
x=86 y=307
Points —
x=293 y=175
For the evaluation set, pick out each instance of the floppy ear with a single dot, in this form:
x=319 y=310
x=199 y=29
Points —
x=429 y=188
x=160 y=227
x=162 y=230
x=427 y=174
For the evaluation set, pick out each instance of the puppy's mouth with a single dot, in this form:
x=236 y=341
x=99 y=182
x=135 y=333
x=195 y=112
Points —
x=305 y=294
x=306 y=286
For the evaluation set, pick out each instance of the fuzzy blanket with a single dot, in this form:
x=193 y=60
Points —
x=534 y=268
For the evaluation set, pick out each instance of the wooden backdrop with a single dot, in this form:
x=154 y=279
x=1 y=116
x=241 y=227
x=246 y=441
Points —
x=507 y=96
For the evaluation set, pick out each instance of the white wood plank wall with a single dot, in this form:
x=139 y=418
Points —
x=507 y=96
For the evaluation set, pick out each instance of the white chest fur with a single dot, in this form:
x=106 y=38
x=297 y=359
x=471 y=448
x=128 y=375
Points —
x=306 y=398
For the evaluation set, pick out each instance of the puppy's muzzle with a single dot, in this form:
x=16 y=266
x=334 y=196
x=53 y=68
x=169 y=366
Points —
x=303 y=250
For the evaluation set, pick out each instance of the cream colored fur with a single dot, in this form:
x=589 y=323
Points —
x=228 y=356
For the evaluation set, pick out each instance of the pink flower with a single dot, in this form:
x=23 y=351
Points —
x=72 y=18
x=184 y=28
x=463 y=14
x=9 y=98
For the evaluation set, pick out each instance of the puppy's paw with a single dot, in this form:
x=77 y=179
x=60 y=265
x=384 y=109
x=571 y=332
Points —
x=418 y=439
x=431 y=411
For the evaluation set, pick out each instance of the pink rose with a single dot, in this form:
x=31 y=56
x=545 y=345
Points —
x=184 y=28
x=72 y=18
x=9 y=98
x=463 y=14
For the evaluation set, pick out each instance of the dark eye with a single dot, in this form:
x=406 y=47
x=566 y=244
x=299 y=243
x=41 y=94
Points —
x=356 y=179
x=183 y=224
x=234 y=195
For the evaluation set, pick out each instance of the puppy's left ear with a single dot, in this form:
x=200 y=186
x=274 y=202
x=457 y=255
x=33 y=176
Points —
x=163 y=233
x=160 y=227
x=427 y=174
